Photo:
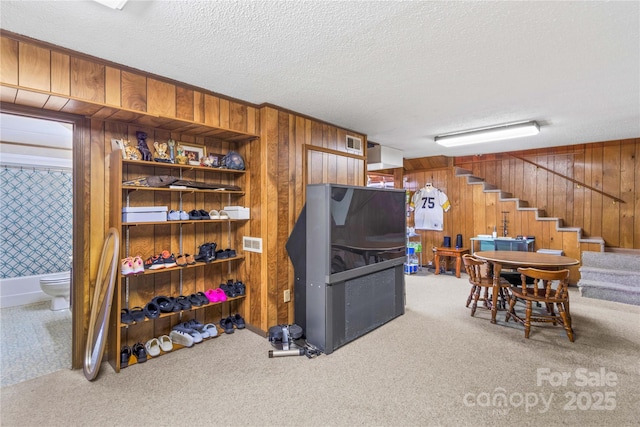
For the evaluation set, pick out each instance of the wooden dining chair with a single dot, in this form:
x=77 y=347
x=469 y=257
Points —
x=549 y=288
x=480 y=280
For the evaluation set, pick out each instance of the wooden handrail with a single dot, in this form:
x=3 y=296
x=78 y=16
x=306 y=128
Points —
x=568 y=178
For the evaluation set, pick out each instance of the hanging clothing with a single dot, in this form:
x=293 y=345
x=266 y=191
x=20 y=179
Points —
x=430 y=205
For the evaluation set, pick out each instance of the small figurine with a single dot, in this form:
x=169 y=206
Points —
x=181 y=158
x=129 y=152
x=142 y=145
x=161 y=152
x=172 y=151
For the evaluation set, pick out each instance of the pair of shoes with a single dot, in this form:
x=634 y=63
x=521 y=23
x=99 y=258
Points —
x=198 y=214
x=198 y=299
x=191 y=328
x=207 y=252
x=184 y=260
x=165 y=304
x=232 y=321
x=216 y=295
x=177 y=215
x=233 y=289
x=129 y=316
x=214 y=214
x=139 y=352
x=164 y=260
x=131 y=265
x=227 y=325
x=225 y=254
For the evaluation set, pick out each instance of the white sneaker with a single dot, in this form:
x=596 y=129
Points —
x=211 y=329
x=138 y=265
x=181 y=338
x=126 y=266
x=184 y=215
x=173 y=215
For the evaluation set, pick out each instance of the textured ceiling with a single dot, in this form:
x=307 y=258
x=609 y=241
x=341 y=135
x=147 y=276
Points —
x=400 y=72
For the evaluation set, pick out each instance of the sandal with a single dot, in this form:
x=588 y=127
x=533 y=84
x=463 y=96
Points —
x=153 y=347
x=203 y=298
x=137 y=313
x=183 y=302
x=125 y=354
x=165 y=304
x=195 y=300
x=126 y=317
x=151 y=310
x=139 y=352
x=166 y=344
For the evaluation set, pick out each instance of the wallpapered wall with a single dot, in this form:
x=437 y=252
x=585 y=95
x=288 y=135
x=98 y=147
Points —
x=35 y=221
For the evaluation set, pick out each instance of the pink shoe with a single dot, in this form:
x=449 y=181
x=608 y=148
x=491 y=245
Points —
x=212 y=295
x=221 y=295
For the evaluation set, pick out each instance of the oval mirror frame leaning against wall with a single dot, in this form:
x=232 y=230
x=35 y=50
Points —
x=101 y=304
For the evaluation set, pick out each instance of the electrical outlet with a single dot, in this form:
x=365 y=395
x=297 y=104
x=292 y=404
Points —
x=287 y=295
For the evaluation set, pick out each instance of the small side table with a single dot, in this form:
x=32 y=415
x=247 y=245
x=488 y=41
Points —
x=450 y=252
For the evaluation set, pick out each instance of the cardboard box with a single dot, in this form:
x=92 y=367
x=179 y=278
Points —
x=144 y=214
x=237 y=212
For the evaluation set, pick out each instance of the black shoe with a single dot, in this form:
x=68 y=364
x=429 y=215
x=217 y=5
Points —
x=207 y=252
x=125 y=354
x=139 y=352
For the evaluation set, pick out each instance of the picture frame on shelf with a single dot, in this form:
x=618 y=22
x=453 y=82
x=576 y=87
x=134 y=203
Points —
x=193 y=152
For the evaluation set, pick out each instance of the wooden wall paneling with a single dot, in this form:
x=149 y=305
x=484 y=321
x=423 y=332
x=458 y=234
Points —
x=224 y=113
x=198 y=107
x=254 y=262
x=211 y=110
x=611 y=172
x=8 y=94
x=31 y=99
x=282 y=199
x=184 y=103
x=588 y=154
x=271 y=208
x=9 y=63
x=134 y=91
x=596 y=198
x=55 y=103
x=161 y=98
x=34 y=67
x=529 y=182
x=87 y=80
x=252 y=120
x=237 y=116
x=60 y=73
x=479 y=212
x=568 y=187
x=636 y=196
x=578 y=191
x=112 y=87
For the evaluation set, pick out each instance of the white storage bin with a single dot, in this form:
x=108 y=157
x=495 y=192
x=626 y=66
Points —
x=237 y=212
x=144 y=214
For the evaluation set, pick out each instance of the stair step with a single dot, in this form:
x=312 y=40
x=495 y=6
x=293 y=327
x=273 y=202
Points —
x=609 y=291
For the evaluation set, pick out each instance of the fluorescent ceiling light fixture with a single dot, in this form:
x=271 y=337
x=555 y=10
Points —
x=113 y=4
x=492 y=133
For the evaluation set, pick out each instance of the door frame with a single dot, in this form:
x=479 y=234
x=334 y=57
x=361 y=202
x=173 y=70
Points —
x=80 y=225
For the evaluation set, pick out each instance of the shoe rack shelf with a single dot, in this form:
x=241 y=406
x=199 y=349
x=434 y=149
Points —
x=181 y=190
x=181 y=237
x=176 y=313
x=182 y=221
x=197 y=265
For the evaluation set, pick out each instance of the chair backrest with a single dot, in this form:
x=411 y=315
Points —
x=473 y=267
x=543 y=282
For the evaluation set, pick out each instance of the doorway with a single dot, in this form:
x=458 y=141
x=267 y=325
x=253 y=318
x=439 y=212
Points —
x=36 y=206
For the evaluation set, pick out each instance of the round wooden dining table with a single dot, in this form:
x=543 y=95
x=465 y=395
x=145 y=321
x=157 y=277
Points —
x=515 y=259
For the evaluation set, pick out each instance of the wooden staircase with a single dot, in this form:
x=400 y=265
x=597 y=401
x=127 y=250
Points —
x=572 y=245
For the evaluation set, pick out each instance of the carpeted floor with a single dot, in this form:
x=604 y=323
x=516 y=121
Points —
x=433 y=366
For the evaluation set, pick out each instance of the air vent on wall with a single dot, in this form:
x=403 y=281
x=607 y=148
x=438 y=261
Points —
x=354 y=144
x=252 y=244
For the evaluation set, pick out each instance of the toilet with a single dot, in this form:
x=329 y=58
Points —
x=58 y=286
